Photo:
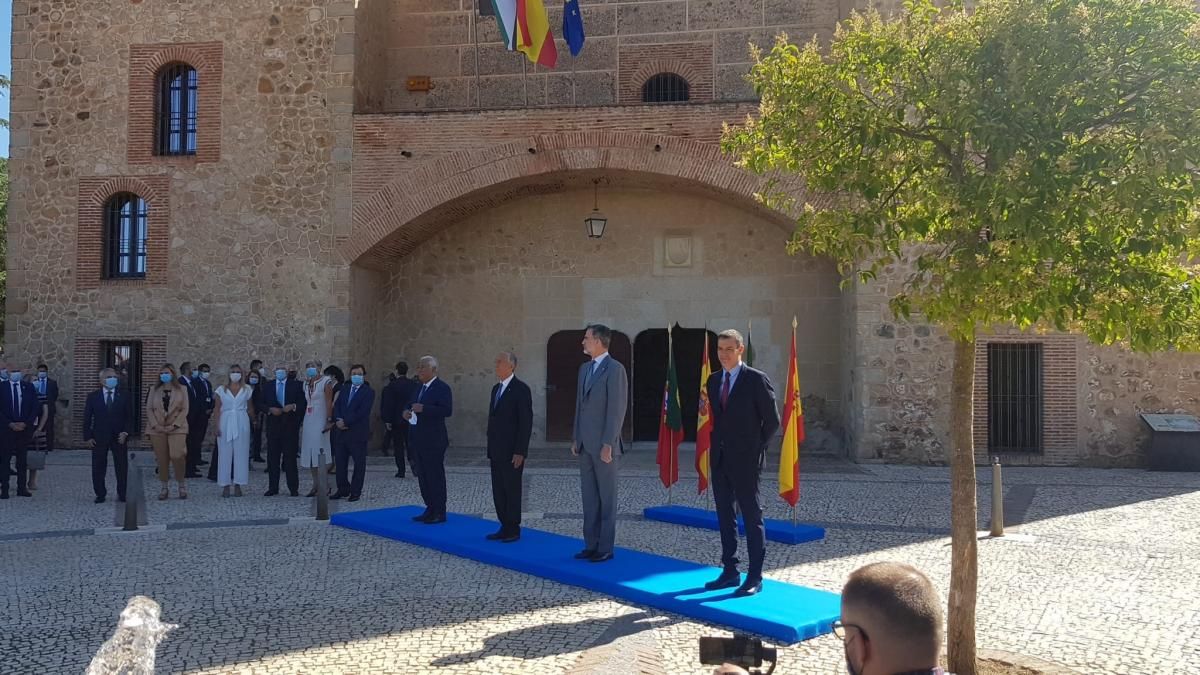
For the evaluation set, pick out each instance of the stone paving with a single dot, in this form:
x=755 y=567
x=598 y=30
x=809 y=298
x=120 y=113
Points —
x=1106 y=585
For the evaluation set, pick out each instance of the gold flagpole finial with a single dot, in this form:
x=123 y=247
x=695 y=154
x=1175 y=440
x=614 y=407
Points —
x=793 y=322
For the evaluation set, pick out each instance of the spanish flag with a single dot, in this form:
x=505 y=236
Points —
x=703 y=422
x=533 y=33
x=793 y=433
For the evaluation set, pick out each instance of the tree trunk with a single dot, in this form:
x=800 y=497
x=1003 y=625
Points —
x=964 y=572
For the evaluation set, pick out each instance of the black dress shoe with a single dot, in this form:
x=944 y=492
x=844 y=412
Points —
x=510 y=538
x=354 y=498
x=751 y=586
x=496 y=535
x=422 y=518
x=601 y=557
x=270 y=493
x=728 y=579
x=192 y=474
x=25 y=493
x=3 y=495
x=99 y=500
x=585 y=554
x=399 y=474
x=337 y=495
x=435 y=520
x=295 y=493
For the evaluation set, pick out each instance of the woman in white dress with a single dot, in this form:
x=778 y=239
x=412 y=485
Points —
x=314 y=434
x=233 y=411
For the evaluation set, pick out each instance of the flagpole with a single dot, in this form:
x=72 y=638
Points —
x=574 y=101
x=670 y=431
x=525 y=79
x=475 y=33
x=797 y=445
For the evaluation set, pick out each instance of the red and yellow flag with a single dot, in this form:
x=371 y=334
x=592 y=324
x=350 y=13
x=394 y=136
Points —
x=793 y=432
x=533 y=36
x=703 y=423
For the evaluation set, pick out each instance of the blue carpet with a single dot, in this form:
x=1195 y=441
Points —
x=781 y=531
x=784 y=612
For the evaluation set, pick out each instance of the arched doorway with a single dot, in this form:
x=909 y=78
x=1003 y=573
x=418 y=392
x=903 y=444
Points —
x=650 y=356
x=564 y=355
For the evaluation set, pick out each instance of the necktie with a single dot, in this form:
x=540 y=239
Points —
x=353 y=391
x=108 y=398
x=16 y=397
x=421 y=394
x=496 y=398
x=279 y=393
x=725 y=391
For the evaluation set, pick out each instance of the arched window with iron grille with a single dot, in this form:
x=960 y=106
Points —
x=175 y=110
x=665 y=88
x=125 y=230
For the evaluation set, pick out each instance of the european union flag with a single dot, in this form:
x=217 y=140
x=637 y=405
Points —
x=573 y=26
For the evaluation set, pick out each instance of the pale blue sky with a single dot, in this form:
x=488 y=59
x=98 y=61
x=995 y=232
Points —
x=5 y=65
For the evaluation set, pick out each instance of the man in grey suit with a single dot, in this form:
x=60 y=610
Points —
x=601 y=398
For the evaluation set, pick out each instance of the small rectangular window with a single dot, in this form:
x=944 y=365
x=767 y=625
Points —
x=1016 y=397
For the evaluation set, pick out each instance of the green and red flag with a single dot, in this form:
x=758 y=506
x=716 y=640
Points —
x=670 y=426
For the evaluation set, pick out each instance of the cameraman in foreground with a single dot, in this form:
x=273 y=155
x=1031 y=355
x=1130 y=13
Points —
x=891 y=623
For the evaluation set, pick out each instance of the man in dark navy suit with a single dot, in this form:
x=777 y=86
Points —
x=745 y=419
x=197 y=418
x=352 y=417
x=395 y=400
x=283 y=401
x=19 y=411
x=426 y=417
x=106 y=419
x=510 y=422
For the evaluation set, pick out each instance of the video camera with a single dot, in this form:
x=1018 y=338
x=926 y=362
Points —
x=740 y=650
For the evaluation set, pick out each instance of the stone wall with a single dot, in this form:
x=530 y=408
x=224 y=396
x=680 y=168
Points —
x=251 y=256
x=510 y=277
x=463 y=55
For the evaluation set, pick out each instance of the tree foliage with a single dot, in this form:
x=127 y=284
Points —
x=1035 y=161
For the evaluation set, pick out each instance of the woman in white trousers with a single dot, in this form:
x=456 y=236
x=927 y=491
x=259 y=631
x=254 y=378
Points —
x=233 y=411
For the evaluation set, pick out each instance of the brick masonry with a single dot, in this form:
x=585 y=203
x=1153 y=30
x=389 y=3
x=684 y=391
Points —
x=94 y=194
x=145 y=61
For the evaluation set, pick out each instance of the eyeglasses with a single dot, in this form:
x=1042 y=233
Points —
x=839 y=629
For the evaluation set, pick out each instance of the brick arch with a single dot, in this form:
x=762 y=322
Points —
x=101 y=193
x=177 y=54
x=400 y=216
x=145 y=61
x=653 y=67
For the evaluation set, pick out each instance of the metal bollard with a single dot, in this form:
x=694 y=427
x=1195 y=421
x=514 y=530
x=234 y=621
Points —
x=134 y=512
x=322 y=491
x=997 y=500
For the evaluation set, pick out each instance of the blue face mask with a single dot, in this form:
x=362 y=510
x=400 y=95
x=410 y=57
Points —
x=356 y=379
x=281 y=374
x=14 y=375
x=111 y=382
x=312 y=372
x=43 y=374
x=165 y=378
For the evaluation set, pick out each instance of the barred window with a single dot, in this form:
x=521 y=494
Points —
x=125 y=231
x=175 y=110
x=665 y=88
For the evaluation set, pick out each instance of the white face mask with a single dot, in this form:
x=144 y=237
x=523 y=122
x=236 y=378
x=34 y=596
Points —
x=235 y=377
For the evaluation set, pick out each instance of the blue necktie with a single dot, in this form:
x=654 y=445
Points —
x=279 y=393
x=499 y=390
x=353 y=390
x=421 y=394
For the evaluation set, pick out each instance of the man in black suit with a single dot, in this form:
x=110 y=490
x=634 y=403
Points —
x=19 y=411
x=745 y=419
x=510 y=422
x=196 y=428
x=47 y=388
x=106 y=418
x=395 y=400
x=352 y=419
x=283 y=400
x=426 y=417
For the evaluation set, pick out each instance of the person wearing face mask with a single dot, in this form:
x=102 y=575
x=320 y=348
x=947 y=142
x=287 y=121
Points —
x=891 y=621
x=314 y=432
x=106 y=417
x=284 y=404
x=352 y=415
x=19 y=410
x=48 y=391
x=197 y=421
x=257 y=375
x=234 y=410
x=167 y=426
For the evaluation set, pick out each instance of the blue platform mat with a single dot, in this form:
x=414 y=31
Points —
x=784 y=612
x=781 y=531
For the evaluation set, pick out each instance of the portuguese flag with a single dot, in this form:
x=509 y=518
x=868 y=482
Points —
x=670 y=426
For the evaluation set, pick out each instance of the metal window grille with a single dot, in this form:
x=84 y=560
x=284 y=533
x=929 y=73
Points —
x=125 y=230
x=1016 y=397
x=665 y=88
x=125 y=357
x=175 y=110
x=486 y=8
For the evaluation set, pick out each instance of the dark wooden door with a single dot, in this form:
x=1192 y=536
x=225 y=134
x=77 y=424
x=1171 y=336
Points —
x=564 y=355
x=650 y=357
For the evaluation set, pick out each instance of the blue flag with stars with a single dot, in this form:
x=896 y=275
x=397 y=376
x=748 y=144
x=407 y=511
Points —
x=573 y=26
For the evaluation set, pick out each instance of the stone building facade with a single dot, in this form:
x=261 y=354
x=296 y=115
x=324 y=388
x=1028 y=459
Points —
x=380 y=179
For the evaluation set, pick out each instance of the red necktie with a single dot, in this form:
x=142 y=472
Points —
x=725 y=391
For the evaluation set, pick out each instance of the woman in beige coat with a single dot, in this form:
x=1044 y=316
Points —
x=167 y=427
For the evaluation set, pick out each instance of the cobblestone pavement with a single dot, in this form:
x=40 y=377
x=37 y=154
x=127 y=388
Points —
x=1106 y=583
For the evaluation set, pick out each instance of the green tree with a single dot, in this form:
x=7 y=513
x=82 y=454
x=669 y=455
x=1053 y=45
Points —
x=1032 y=163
